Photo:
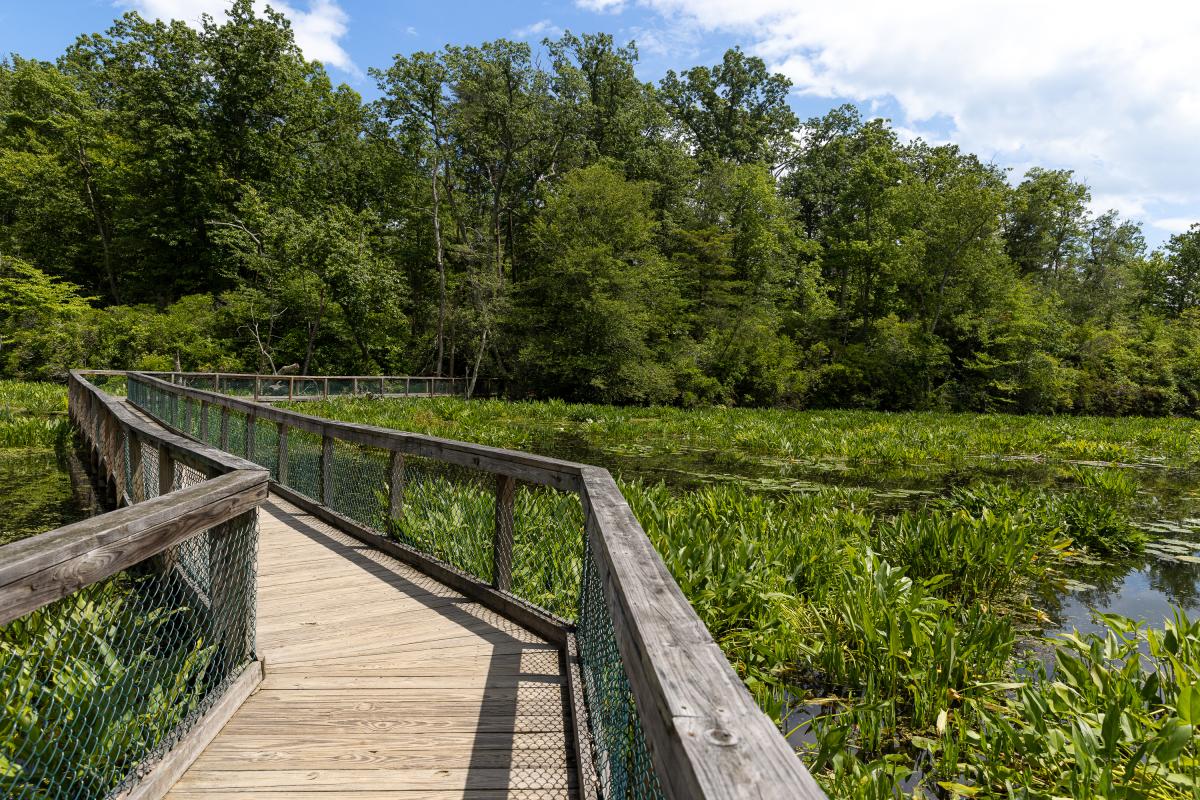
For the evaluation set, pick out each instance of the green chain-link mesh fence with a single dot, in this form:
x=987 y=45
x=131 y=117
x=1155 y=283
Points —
x=97 y=685
x=622 y=760
x=451 y=512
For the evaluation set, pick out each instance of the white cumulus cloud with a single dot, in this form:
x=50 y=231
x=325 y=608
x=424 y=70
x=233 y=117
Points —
x=602 y=6
x=1106 y=88
x=319 y=25
x=543 y=27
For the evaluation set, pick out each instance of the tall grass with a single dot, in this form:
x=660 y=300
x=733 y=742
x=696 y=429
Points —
x=26 y=397
x=32 y=414
x=877 y=438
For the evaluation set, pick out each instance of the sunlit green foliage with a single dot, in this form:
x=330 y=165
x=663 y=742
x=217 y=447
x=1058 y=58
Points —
x=85 y=690
x=204 y=196
x=892 y=643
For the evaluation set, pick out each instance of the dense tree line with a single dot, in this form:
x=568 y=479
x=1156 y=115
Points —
x=208 y=198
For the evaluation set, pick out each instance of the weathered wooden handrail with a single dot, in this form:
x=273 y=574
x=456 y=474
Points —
x=144 y=538
x=41 y=569
x=705 y=735
x=523 y=466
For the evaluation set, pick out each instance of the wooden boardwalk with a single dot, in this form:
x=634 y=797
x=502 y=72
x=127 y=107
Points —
x=383 y=683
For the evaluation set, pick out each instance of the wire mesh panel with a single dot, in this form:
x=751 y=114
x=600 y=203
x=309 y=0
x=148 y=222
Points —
x=340 y=386
x=266 y=446
x=213 y=429
x=308 y=387
x=620 y=754
x=448 y=512
x=198 y=381
x=304 y=463
x=99 y=684
x=274 y=388
x=236 y=435
x=359 y=484
x=238 y=386
x=547 y=553
x=110 y=677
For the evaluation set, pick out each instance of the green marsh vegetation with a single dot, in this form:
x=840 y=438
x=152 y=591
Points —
x=91 y=687
x=889 y=585
x=35 y=489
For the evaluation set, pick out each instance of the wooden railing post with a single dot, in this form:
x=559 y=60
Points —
x=224 y=440
x=166 y=471
x=326 y=395
x=291 y=387
x=502 y=541
x=355 y=390
x=407 y=384
x=282 y=471
x=251 y=431
x=137 y=470
x=326 y=497
x=396 y=486
x=204 y=412
x=257 y=387
x=382 y=387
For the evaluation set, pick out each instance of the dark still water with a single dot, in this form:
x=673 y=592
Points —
x=35 y=493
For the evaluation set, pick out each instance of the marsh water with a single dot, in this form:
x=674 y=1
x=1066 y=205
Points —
x=1145 y=587
x=35 y=493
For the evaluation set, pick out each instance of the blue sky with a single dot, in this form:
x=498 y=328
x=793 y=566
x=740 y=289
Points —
x=1107 y=89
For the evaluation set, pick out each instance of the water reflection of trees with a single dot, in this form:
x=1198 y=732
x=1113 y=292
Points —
x=1177 y=580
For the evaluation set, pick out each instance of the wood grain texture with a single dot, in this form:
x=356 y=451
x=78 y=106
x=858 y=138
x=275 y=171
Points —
x=41 y=569
x=540 y=622
x=383 y=682
x=166 y=772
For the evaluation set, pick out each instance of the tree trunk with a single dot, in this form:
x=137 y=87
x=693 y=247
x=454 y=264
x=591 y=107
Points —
x=313 y=328
x=101 y=228
x=441 y=267
x=478 y=361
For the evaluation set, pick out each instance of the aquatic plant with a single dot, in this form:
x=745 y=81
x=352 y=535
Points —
x=887 y=624
x=79 y=697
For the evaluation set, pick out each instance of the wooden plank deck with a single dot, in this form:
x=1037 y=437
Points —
x=383 y=683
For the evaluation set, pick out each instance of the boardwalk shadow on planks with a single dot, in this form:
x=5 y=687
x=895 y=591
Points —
x=402 y=688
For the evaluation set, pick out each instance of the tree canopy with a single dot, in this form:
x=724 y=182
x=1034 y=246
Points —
x=539 y=216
